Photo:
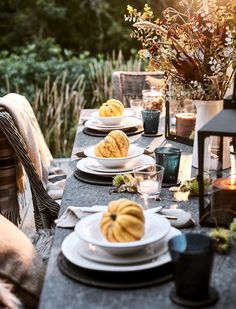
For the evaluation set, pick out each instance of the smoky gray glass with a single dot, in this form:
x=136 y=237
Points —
x=169 y=158
x=150 y=121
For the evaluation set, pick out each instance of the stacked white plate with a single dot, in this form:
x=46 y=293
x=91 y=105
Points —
x=87 y=248
x=91 y=166
x=107 y=124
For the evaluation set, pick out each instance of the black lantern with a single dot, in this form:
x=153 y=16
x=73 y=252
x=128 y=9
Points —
x=216 y=174
x=180 y=118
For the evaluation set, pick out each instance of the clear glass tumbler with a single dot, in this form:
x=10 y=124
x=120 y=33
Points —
x=136 y=106
x=149 y=180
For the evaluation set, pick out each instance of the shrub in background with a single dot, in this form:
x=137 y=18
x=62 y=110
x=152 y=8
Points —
x=59 y=84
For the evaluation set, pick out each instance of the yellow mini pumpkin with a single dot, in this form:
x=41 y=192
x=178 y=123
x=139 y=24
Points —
x=114 y=145
x=123 y=221
x=111 y=108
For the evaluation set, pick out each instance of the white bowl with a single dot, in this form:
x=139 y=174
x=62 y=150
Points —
x=134 y=151
x=156 y=228
x=111 y=121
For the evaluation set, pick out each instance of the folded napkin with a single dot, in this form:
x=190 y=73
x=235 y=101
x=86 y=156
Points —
x=177 y=217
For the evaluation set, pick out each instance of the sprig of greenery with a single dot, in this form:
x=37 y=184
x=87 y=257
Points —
x=191 y=186
x=124 y=183
x=193 y=47
x=223 y=238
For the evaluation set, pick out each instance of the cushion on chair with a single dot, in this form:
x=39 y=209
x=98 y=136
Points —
x=19 y=264
x=9 y=185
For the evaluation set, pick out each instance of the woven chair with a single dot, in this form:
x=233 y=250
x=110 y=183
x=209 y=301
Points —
x=129 y=85
x=45 y=208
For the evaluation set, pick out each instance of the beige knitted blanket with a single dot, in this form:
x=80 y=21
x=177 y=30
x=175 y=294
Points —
x=27 y=124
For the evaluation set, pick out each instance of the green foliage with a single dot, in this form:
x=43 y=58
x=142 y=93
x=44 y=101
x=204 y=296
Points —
x=124 y=183
x=58 y=84
x=28 y=69
x=94 y=25
x=222 y=240
x=191 y=186
x=57 y=107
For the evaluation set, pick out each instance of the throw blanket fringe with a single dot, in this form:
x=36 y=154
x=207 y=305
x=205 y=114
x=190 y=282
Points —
x=7 y=299
x=12 y=214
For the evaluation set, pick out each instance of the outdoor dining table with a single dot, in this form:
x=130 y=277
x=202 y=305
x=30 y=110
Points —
x=59 y=291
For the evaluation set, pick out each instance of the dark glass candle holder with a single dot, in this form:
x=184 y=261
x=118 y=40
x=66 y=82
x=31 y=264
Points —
x=150 y=121
x=192 y=259
x=169 y=158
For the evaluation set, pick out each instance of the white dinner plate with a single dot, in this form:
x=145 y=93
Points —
x=102 y=125
x=156 y=228
x=133 y=152
x=153 y=251
x=114 y=120
x=71 y=250
x=93 y=165
x=128 y=123
x=83 y=166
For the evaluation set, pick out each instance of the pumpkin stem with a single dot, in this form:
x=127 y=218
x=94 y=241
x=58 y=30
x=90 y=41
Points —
x=113 y=217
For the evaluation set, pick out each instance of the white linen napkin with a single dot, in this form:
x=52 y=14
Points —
x=177 y=217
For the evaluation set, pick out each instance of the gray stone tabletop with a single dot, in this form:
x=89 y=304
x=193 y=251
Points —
x=61 y=292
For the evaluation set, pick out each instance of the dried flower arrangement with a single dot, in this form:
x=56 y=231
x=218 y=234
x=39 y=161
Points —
x=194 y=46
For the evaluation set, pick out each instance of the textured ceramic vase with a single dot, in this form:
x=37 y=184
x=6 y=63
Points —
x=206 y=110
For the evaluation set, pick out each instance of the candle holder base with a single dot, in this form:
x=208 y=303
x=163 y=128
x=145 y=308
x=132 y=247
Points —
x=172 y=184
x=212 y=298
x=152 y=135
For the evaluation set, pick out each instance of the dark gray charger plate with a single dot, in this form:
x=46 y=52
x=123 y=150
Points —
x=132 y=131
x=93 y=179
x=115 y=280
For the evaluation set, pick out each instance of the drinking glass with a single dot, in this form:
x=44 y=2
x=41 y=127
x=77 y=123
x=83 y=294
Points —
x=169 y=158
x=149 y=180
x=151 y=121
x=192 y=258
x=136 y=106
x=153 y=99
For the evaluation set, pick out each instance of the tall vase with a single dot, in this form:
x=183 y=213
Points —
x=206 y=110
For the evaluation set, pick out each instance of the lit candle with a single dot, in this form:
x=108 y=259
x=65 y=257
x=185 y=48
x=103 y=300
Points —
x=223 y=197
x=205 y=5
x=185 y=124
x=149 y=187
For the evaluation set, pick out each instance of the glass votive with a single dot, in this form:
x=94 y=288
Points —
x=192 y=260
x=149 y=180
x=153 y=99
x=169 y=158
x=136 y=106
x=150 y=121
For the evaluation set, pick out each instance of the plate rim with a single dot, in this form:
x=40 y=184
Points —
x=93 y=172
x=121 y=245
x=111 y=170
x=141 y=259
x=92 y=265
x=88 y=124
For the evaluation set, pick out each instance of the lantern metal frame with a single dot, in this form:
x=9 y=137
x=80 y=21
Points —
x=171 y=136
x=222 y=125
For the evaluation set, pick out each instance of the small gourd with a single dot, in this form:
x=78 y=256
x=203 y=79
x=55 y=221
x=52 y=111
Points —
x=111 y=108
x=123 y=221
x=114 y=145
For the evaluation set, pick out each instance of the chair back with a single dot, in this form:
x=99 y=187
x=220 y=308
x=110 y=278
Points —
x=45 y=208
x=9 y=206
x=129 y=85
